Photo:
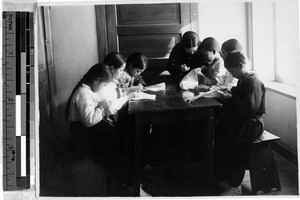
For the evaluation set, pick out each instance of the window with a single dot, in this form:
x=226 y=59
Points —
x=276 y=41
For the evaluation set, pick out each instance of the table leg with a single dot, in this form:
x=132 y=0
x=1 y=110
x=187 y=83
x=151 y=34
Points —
x=210 y=137
x=137 y=163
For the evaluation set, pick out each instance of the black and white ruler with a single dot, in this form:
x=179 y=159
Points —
x=18 y=97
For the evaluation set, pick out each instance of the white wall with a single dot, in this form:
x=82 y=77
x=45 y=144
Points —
x=223 y=21
x=74 y=46
x=287 y=41
x=281 y=118
x=263 y=40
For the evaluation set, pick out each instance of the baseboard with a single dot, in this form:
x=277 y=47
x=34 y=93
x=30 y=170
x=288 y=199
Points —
x=286 y=154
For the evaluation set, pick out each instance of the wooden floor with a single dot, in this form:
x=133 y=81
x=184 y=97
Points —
x=182 y=182
x=288 y=176
x=176 y=181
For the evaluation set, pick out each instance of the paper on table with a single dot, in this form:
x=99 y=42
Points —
x=156 y=87
x=142 y=95
x=208 y=94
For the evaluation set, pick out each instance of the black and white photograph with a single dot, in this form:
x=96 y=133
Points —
x=159 y=99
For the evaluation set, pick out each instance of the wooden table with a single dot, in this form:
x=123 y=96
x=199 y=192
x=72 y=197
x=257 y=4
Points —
x=168 y=107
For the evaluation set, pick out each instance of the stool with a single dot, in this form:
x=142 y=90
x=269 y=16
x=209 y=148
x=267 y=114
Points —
x=262 y=166
x=83 y=176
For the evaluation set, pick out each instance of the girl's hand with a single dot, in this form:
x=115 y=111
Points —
x=199 y=71
x=104 y=104
x=139 y=87
x=201 y=88
x=224 y=94
x=184 y=68
x=106 y=107
x=133 y=95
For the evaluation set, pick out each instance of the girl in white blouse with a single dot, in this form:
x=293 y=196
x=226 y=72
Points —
x=123 y=121
x=85 y=109
x=84 y=104
x=113 y=91
x=91 y=136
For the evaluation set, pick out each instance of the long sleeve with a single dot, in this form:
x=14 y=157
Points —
x=124 y=82
x=89 y=113
x=228 y=81
x=85 y=107
x=214 y=73
x=249 y=98
x=110 y=93
x=179 y=57
x=176 y=59
x=117 y=104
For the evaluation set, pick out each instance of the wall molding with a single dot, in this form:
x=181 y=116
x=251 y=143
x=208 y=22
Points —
x=285 y=153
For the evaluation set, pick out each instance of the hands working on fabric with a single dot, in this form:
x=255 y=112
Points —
x=136 y=88
x=214 y=92
x=225 y=94
x=184 y=68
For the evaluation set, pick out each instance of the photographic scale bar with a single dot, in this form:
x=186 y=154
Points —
x=18 y=109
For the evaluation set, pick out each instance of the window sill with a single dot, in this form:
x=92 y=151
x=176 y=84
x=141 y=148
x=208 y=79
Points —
x=285 y=89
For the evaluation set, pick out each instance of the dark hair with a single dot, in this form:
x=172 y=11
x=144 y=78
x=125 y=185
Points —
x=190 y=39
x=97 y=71
x=231 y=45
x=138 y=60
x=114 y=59
x=234 y=59
x=210 y=44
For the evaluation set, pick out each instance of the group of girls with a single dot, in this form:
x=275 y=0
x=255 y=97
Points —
x=97 y=110
x=93 y=109
x=242 y=93
x=206 y=56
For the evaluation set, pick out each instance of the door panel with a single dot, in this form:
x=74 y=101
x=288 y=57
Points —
x=152 y=29
x=47 y=90
x=154 y=46
x=48 y=37
x=148 y=14
x=49 y=51
x=45 y=107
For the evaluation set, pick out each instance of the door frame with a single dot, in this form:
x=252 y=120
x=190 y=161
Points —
x=107 y=30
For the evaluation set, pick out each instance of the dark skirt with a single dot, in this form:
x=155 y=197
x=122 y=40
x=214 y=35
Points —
x=98 y=140
x=92 y=149
x=232 y=144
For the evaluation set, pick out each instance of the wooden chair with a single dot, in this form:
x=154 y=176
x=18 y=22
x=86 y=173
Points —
x=262 y=166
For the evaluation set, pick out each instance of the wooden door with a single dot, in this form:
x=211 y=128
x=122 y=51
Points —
x=46 y=91
x=47 y=78
x=152 y=29
x=47 y=109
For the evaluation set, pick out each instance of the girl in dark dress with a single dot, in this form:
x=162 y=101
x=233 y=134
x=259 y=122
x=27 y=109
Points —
x=239 y=125
x=229 y=81
x=230 y=45
x=184 y=56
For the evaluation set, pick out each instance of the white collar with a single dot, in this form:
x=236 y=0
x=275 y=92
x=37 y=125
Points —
x=86 y=86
